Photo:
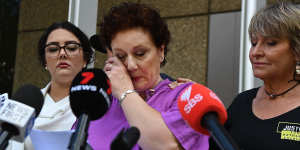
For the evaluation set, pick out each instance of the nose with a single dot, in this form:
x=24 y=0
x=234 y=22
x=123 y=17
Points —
x=62 y=52
x=131 y=64
x=257 y=50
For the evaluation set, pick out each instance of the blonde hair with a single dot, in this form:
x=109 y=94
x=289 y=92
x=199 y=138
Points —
x=280 y=20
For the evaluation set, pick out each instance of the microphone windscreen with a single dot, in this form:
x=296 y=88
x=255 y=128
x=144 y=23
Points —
x=195 y=101
x=90 y=93
x=125 y=140
x=96 y=43
x=131 y=136
x=30 y=95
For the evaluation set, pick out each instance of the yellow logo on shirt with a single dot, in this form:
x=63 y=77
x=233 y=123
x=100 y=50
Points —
x=289 y=131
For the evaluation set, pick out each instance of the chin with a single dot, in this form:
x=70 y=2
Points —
x=259 y=75
x=140 y=87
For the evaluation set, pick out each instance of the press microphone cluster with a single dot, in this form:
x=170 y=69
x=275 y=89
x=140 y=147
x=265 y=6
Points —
x=205 y=112
x=89 y=99
x=17 y=115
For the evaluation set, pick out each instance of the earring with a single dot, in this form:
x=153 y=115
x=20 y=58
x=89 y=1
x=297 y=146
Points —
x=162 y=59
x=297 y=71
x=46 y=67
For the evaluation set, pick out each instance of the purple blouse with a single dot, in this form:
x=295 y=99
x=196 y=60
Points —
x=102 y=132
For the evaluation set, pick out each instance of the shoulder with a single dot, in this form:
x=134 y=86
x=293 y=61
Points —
x=175 y=92
x=242 y=102
x=251 y=93
x=164 y=96
x=164 y=86
x=246 y=96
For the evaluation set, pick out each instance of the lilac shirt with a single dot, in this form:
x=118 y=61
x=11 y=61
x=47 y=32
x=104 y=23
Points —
x=102 y=132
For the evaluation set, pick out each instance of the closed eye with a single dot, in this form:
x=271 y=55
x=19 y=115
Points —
x=272 y=43
x=140 y=54
x=121 y=57
x=52 y=48
x=253 y=44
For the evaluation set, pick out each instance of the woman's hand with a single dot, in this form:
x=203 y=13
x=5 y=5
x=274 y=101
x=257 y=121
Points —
x=178 y=82
x=119 y=78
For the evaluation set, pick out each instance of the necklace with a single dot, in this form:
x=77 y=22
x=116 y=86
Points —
x=273 y=96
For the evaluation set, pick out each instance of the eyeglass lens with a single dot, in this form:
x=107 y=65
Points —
x=69 y=48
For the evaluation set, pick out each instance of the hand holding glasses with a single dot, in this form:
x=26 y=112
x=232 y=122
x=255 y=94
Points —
x=71 y=49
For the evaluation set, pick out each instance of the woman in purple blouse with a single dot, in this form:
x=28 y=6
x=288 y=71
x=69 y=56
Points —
x=138 y=39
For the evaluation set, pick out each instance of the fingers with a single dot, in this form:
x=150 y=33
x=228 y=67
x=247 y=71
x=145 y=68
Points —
x=183 y=80
x=173 y=85
x=178 y=82
x=113 y=64
x=109 y=63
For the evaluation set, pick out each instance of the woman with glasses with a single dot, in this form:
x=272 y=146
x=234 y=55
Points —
x=64 y=50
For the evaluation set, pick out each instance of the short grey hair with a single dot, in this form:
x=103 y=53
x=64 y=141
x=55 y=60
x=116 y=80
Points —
x=280 y=20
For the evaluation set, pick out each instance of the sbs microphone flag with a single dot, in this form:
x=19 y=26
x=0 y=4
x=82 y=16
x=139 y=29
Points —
x=205 y=113
x=197 y=100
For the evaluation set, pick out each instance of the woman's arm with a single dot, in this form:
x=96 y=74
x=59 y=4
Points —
x=154 y=132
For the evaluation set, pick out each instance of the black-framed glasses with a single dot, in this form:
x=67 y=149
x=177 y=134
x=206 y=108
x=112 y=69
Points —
x=71 y=49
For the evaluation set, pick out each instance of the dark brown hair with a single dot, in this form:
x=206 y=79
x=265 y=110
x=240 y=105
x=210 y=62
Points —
x=84 y=41
x=135 y=15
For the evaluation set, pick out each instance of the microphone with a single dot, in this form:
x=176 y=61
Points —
x=96 y=43
x=125 y=140
x=205 y=112
x=17 y=115
x=89 y=99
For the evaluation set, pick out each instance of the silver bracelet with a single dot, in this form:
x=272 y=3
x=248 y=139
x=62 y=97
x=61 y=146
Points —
x=123 y=96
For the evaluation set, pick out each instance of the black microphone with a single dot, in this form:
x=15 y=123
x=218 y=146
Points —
x=17 y=115
x=125 y=140
x=96 y=43
x=89 y=99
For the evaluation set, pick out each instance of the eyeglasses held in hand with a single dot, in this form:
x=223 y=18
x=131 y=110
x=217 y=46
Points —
x=71 y=49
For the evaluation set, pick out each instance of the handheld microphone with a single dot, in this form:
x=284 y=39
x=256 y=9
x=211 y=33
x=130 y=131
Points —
x=89 y=99
x=204 y=112
x=125 y=140
x=17 y=115
x=96 y=43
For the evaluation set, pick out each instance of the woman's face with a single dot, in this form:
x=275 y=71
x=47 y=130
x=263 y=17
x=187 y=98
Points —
x=272 y=58
x=140 y=56
x=63 y=64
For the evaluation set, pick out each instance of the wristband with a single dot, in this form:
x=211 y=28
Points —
x=123 y=96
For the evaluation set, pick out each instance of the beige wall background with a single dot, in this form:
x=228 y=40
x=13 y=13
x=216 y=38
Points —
x=188 y=21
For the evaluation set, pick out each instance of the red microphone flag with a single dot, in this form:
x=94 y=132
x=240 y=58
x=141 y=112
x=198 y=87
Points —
x=197 y=100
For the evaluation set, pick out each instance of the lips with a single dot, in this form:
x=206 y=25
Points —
x=63 y=65
x=135 y=79
x=259 y=64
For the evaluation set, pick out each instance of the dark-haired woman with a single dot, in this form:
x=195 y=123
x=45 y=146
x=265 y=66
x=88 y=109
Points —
x=138 y=39
x=63 y=50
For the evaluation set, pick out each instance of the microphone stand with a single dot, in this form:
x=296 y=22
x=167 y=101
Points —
x=218 y=132
x=4 y=138
x=6 y=133
x=79 y=137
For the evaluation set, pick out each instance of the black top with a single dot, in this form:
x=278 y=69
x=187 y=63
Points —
x=251 y=133
x=165 y=76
